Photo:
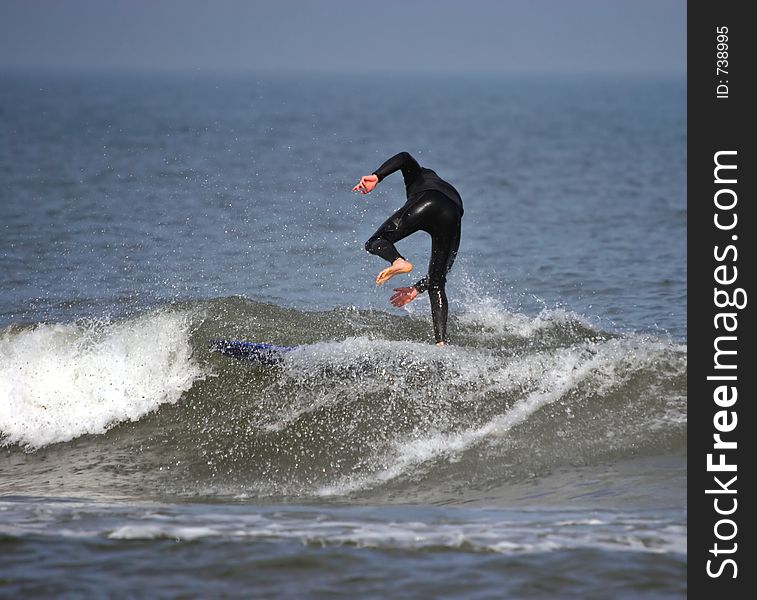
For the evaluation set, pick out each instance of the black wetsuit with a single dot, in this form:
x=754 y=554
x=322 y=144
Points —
x=433 y=206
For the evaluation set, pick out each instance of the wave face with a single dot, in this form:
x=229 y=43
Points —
x=379 y=412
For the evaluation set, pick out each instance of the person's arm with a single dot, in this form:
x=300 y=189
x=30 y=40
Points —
x=421 y=285
x=402 y=161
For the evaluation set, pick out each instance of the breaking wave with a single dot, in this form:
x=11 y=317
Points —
x=363 y=405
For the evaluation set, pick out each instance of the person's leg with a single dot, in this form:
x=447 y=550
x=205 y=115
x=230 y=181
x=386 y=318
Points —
x=381 y=244
x=445 y=241
x=454 y=246
x=401 y=224
x=440 y=248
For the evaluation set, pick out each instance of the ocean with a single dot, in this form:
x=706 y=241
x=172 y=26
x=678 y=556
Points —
x=542 y=454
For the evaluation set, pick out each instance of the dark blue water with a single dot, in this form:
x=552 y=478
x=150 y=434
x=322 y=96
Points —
x=543 y=454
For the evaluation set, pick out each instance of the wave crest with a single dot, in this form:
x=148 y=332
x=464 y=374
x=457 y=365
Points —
x=60 y=381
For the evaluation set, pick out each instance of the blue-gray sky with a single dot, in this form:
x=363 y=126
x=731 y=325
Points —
x=539 y=36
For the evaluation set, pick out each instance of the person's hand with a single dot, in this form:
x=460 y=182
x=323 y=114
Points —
x=402 y=296
x=366 y=184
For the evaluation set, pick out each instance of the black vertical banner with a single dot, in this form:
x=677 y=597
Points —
x=722 y=426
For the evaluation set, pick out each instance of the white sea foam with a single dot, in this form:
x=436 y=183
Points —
x=505 y=532
x=504 y=537
x=60 y=381
x=149 y=532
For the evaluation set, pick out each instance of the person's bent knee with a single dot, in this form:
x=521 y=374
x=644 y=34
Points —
x=372 y=245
